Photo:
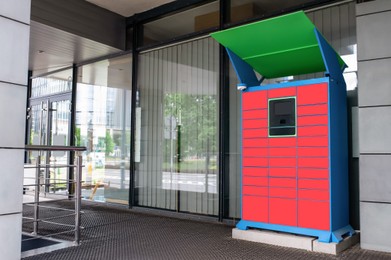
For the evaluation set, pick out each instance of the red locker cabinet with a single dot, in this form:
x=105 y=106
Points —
x=286 y=179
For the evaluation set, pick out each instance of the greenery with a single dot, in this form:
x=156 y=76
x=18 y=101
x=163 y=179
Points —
x=109 y=143
x=197 y=117
x=77 y=136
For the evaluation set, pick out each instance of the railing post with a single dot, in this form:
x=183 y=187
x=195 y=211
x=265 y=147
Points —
x=79 y=165
x=36 y=195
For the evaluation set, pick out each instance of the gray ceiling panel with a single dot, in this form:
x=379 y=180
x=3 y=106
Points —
x=52 y=49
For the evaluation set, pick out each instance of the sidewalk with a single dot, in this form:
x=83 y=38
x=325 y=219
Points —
x=116 y=234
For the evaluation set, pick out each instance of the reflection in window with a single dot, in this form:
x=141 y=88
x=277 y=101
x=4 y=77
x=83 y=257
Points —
x=177 y=168
x=190 y=141
x=242 y=10
x=194 y=20
x=103 y=126
x=55 y=83
x=49 y=123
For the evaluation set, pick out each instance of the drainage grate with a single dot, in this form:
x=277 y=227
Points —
x=31 y=242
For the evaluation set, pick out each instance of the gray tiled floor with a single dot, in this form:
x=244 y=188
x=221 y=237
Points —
x=121 y=234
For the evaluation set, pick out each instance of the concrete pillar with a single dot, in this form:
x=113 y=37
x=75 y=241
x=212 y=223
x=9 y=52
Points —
x=14 y=52
x=374 y=95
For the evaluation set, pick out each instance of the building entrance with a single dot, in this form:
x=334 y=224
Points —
x=49 y=124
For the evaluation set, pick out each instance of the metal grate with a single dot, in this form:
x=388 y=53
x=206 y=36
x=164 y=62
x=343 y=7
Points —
x=122 y=234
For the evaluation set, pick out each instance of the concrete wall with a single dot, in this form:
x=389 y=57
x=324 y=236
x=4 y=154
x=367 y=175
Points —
x=374 y=94
x=14 y=42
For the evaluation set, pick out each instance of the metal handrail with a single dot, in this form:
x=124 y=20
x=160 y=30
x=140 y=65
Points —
x=55 y=148
x=47 y=148
x=43 y=166
x=78 y=165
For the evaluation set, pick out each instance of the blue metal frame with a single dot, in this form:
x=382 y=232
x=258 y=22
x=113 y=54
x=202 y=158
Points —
x=323 y=235
x=338 y=157
x=330 y=59
x=244 y=71
x=287 y=84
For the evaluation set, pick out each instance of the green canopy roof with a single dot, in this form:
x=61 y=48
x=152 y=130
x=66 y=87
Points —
x=277 y=47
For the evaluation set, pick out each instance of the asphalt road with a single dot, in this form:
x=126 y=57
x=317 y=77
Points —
x=191 y=182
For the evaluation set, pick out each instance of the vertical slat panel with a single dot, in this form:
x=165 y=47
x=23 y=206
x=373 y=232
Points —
x=139 y=186
x=175 y=90
x=327 y=30
x=159 y=179
x=344 y=27
x=336 y=31
x=148 y=128
x=165 y=192
x=352 y=23
x=156 y=131
x=151 y=118
x=216 y=54
x=195 y=65
x=157 y=186
x=144 y=133
x=318 y=19
x=154 y=136
x=208 y=64
x=192 y=197
x=184 y=196
x=206 y=85
x=149 y=150
x=235 y=146
x=203 y=120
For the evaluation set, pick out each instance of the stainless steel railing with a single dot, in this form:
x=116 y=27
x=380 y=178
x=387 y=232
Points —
x=41 y=186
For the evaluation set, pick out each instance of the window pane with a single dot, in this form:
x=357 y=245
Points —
x=194 y=20
x=242 y=10
x=178 y=104
x=103 y=126
x=52 y=84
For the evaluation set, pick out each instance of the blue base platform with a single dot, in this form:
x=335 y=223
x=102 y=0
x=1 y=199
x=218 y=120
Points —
x=324 y=236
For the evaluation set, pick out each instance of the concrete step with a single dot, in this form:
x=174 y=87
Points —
x=294 y=241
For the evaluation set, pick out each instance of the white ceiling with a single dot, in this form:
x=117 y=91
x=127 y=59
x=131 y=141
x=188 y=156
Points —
x=128 y=7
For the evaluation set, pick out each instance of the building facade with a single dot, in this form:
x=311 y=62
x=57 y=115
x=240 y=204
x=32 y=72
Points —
x=154 y=100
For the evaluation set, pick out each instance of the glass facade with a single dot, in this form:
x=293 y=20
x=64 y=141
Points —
x=177 y=109
x=176 y=161
x=103 y=126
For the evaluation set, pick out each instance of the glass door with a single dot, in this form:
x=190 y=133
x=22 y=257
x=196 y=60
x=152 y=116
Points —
x=49 y=124
x=59 y=128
